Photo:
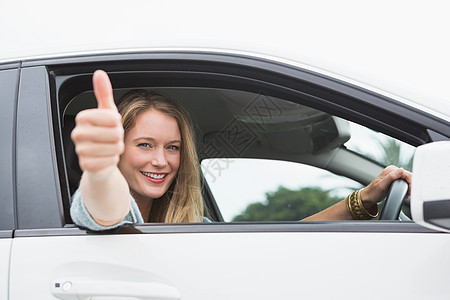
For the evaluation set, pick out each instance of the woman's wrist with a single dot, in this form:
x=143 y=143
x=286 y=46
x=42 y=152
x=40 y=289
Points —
x=104 y=174
x=358 y=209
x=365 y=198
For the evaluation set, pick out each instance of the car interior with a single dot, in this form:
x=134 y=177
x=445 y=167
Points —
x=232 y=123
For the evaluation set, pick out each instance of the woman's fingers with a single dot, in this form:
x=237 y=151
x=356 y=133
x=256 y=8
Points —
x=393 y=173
x=377 y=190
x=98 y=149
x=99 y=117
x=98 y=134
x=407 y=176
x=97 y=146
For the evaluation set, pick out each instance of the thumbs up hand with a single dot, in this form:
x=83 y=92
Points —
x=98 y=134
x=103 y=90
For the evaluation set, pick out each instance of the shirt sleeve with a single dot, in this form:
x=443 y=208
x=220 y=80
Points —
x=83 y=218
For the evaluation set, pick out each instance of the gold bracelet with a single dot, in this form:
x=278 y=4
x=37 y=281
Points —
x=357 y=209
x=366 y=212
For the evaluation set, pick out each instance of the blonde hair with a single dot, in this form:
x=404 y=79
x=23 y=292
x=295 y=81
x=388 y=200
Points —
x=182 y=202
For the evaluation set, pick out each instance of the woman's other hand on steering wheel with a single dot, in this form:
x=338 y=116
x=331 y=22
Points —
x=378 y=189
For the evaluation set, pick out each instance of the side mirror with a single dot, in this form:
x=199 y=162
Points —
x=430 y=188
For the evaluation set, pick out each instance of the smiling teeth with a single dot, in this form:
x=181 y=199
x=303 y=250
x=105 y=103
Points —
x=154 y=176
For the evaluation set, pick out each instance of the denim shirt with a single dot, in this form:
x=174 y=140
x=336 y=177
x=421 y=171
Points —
x=83 y=218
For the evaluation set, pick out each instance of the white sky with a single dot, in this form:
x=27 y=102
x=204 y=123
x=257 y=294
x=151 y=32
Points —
x=394 y=45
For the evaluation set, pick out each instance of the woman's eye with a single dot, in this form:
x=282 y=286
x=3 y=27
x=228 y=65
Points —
x=173 y=147
x=144 y=145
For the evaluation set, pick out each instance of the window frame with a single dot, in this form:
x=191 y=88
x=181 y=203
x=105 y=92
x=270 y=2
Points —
x=38 y=189
x=9 y=81
x=238 y=72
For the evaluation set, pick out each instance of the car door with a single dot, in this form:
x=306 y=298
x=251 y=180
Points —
x=51 y=258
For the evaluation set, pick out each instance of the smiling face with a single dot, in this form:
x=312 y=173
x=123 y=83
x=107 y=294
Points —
x=151 y=158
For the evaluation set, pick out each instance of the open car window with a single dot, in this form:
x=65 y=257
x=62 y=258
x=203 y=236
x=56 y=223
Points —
x=255 y=148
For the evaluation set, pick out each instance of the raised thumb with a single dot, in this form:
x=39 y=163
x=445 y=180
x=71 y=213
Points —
x=103 y=90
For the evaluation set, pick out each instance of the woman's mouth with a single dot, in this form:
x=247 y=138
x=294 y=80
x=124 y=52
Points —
x=155 y=177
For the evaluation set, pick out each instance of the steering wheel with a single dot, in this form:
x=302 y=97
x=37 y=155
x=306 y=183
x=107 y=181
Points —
x=394 y=200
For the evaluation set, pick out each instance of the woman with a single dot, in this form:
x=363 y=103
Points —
x=152 y=157
x=147 y=169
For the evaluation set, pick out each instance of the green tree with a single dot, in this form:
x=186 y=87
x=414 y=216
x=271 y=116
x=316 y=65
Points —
x=392 y=155
x=288 y=205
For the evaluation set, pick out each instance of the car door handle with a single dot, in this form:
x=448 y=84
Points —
x=83 y=288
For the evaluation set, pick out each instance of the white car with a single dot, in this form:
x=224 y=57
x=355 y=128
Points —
x=280 y=106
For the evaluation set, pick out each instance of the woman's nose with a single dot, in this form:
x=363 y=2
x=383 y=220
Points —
x=158 y=158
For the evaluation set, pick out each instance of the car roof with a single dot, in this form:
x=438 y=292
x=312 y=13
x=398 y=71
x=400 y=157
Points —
x=394 y=48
